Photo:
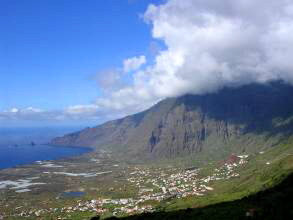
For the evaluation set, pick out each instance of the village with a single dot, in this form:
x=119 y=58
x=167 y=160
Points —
x=152 y=185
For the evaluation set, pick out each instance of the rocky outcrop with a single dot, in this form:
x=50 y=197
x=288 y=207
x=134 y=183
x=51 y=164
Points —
x=231 y=120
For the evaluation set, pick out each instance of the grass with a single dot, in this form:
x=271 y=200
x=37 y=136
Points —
x=270 y=204
x=255 y=176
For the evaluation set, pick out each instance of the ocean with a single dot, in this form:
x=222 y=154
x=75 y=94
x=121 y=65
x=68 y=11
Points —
x=14 y=155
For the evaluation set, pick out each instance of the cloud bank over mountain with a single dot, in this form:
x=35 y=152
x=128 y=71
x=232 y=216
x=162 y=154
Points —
x=209 y=44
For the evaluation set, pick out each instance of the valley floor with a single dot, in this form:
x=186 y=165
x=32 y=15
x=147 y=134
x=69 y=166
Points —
x=99 y=184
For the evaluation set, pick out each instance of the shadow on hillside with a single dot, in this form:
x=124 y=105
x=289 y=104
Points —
x=253 y=105
x=272 y=204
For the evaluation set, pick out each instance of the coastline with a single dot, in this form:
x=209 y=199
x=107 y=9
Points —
x=56 y=158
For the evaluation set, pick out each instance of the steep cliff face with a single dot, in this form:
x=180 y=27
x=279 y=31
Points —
x=244 y=119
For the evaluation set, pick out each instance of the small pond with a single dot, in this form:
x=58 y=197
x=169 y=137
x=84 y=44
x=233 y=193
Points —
x=66 y=195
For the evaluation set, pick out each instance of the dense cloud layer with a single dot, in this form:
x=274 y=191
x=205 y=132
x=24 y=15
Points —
x=209 y=44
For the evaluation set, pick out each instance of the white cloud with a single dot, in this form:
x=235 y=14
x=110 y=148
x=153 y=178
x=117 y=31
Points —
x=211 y=44
x=32 y=110
x=134 y=63
x=82 y=109
x=14 y=110
x=78 y=113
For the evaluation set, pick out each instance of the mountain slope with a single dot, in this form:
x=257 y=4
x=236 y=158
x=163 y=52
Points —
x=274 y=203
x=245 y=119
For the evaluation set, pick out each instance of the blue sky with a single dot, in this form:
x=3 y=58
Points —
x=50 y=49
x=83 y=62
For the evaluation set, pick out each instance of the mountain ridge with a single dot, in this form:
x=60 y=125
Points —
x=233 y=120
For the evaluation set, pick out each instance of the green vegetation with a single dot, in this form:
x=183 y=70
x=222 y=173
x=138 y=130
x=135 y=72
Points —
x=263 y=190
x=272 y=204
x=255 y=176
x=262 y=170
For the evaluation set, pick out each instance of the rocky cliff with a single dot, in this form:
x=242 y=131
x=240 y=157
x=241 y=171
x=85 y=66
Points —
x=233 y=120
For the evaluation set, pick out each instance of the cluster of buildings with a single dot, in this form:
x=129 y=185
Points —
x=154 y=185
x=227 y=170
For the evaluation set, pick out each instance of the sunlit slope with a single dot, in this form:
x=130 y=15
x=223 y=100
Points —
x=263 y=190
x=207 y=127
x=262 y=171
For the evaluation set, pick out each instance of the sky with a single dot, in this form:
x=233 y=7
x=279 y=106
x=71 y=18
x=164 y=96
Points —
x=51 y=51
x=82 y=62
